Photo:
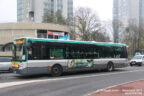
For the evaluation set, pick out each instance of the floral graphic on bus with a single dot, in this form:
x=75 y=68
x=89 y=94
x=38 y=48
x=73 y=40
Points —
x=80 y=63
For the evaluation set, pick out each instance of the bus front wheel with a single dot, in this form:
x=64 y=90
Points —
x=110 y=67
x=56 y=70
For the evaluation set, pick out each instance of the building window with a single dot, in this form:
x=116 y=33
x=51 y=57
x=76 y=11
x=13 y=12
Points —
x=41 y=34
x=56 y=37
x=1 y=48
x=52 y=34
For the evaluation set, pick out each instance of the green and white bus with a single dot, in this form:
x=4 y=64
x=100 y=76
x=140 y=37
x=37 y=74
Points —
x=39 y=56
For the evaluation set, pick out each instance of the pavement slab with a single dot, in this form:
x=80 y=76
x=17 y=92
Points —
x=135 y=88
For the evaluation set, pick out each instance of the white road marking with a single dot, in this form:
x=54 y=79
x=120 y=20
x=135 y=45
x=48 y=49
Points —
x=10 y=84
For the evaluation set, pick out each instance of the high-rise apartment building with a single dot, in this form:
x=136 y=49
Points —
x=34 y=10
x=125 y=12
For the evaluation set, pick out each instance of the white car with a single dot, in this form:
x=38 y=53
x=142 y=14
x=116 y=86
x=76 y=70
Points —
x=5 y=64
x=137 y=60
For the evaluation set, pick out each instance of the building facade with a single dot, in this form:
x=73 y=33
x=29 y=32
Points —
x=34 y=10
x=12 y=31
x=124 y=13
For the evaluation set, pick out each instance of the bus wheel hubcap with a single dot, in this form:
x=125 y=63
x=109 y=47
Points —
x=110 y=67
x=55 y=70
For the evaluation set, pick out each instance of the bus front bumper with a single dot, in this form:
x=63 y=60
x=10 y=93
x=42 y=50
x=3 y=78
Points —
x=19 y=71
x=32 y=71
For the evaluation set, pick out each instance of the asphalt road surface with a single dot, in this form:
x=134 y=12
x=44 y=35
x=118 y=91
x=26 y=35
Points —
x=71 y=84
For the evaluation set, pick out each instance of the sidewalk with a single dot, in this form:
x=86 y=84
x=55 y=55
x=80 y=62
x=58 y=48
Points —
x=135 y=88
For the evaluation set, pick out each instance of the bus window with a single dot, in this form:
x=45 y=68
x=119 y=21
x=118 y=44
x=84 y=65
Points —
x=34 y=53
x=108 y=52
x=124 y=52
x=118 y=52
x=38 y=52
x=57 y=53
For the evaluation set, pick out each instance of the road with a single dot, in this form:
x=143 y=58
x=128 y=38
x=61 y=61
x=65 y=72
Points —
x=70 y=84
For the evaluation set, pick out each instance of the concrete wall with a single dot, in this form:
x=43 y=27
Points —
x=38 y=11
x=10 y=34
x=5 y=54
x=38 y=7
x=26 y=26
x=65 y=8
x=11 y=31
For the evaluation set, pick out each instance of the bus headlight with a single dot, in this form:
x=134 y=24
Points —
x=21 y=66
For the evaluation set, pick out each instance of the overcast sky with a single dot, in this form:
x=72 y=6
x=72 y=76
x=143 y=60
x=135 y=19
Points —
x=102 y=7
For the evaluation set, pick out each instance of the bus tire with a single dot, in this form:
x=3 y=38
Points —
x=10 y=70
x=56 y=71
x=110 y=67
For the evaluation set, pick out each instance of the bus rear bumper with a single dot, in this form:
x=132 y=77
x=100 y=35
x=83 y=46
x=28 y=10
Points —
x=122 y=65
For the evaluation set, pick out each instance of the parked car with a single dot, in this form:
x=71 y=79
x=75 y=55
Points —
x=137 y=60
x=5 y=64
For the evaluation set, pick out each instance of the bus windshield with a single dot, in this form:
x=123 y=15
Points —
x=19 y=52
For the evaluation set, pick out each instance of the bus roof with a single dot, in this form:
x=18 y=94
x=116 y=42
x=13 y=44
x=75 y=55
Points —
x=74 y=41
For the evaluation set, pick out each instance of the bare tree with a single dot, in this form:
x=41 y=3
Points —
x=99 y=37
x=87 y=24
x=108 y=26
x=134 y=37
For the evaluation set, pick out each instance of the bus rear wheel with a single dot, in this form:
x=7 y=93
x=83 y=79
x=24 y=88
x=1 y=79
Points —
x=110 y=67
x=56 y=71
